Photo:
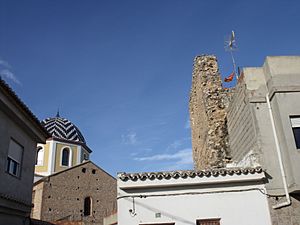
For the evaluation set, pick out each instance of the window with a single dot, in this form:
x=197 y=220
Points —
x=14 y=158
x=159 y=224
x=295 y=121
x=85 y=157
x=40 y=156
x=65 y=157
x=87 y=206
x=209 y=222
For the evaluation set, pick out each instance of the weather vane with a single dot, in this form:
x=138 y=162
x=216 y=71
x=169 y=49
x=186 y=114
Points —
x=230 y=45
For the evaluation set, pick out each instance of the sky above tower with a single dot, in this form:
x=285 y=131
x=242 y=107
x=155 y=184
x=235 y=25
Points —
x=121 y=70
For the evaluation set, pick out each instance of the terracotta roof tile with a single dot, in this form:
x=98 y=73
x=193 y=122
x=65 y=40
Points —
x=188 y=173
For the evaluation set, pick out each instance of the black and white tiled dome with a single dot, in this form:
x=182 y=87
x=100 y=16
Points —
x=63 y=128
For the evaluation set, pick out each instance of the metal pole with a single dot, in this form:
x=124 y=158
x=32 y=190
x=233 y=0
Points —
x=234 y=65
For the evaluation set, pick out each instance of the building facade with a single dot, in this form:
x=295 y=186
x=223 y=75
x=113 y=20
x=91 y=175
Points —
x=84 y=193
x=20 y=131
x=209 y=197
x=263 y=125
x=261 y=120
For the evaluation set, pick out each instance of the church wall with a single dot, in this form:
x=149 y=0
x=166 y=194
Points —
x=64 y=194
x=58 y=155
x=84 y=152
x=44 y=167
x=37 y=197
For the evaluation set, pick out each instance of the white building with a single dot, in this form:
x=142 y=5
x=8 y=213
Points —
x=211 y=197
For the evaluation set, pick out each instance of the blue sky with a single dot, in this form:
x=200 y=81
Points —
x=121 y=70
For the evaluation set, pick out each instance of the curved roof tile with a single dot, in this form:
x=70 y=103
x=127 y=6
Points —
x=188 y=173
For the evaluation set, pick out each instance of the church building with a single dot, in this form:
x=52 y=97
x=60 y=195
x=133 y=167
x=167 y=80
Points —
x=68 y=187
x=65 y=148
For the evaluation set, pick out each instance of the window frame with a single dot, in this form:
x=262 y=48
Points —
x=295 y=127
x=172 y=223
x=39 y=149
x=208 y=221
x=69 y=158
x=9 y=169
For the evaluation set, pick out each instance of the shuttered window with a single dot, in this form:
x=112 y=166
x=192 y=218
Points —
x=295 y=122
x=209 y=222
x=14 y=158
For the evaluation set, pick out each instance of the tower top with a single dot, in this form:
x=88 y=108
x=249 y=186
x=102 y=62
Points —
x=57 y=113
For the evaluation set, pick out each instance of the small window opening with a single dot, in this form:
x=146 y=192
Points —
x=87 y=206
x=295 y=122
x=65 y=157
x=39 y=156
x=93 y=171
x=208 y=222
x=83 y=170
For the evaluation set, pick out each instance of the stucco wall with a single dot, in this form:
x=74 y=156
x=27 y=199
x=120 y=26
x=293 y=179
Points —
x=280 y=79
x=17 y=188
x=9 y=184
x=234 y=204
x=44 y=168
x=17 y=123
x=241 y=128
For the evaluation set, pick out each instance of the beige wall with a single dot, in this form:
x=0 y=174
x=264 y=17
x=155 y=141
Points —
x=37 y=197
x=58 y=155
x=44 y=167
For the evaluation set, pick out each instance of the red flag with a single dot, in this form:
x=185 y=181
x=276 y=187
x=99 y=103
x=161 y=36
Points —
x=229 y=78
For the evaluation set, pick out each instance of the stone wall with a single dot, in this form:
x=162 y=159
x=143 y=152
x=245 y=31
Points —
x=208 y=103
x=287 y=215
x=64 y=194
x=37 y=200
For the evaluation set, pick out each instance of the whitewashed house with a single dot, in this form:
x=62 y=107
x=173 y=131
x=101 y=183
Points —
x=231 y=196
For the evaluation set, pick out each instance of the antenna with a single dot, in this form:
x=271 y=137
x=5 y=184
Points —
x=57 y=114
x=230 y=45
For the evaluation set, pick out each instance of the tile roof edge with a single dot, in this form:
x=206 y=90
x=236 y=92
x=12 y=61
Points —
x=188 y=173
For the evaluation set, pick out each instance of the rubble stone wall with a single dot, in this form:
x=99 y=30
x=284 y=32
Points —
x=64 y=194
x=289 y=215
x=208 y=103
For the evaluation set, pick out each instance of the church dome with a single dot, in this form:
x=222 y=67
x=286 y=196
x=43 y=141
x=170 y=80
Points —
x=62 y=128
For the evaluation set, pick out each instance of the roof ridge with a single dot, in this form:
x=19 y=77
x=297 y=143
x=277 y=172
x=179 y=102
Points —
x=190 y=173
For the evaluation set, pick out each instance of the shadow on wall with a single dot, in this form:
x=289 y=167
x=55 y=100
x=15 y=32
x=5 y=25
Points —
x=155 y=210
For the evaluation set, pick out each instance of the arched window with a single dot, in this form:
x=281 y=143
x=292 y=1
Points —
x=39 y=156
x=65 y=156
x=87 y=206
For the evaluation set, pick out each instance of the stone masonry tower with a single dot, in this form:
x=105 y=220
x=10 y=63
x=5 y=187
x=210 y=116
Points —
x=208 y=101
